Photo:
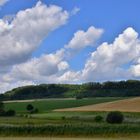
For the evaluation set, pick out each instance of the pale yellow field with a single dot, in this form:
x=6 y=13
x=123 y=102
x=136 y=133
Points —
x=126 y=105
x=32 y=100
x=39 y=138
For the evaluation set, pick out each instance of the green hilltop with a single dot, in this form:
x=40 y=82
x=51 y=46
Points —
x=92 y=89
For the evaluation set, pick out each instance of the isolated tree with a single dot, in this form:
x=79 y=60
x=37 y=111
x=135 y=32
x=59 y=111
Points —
x=30 y=108
x=1 y=106
x=115 y=117
x=2 y=112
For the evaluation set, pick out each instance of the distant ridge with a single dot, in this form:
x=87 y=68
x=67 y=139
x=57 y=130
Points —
x=92 y=89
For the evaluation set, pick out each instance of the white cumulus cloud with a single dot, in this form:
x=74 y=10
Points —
x=52 y=67
x=2 y=2
x=21 y=37
x=82 y=39
x=109 y=60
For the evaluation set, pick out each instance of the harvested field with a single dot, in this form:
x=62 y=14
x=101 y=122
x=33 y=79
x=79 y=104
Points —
x=126 y=105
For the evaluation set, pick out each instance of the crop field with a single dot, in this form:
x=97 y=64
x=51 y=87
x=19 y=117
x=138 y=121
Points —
x=126 y=105
x=51 y=104
x=49 y=123
x=39 y=138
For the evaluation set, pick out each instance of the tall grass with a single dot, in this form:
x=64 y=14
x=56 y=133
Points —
x=69 y=130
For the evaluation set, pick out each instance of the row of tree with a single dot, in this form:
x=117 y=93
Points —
x=92 y=89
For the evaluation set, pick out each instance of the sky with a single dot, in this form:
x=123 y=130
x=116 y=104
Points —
x=72 y=42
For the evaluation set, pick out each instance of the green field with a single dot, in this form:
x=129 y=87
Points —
x=49 y=105
x=48 y=123
x=46 y=113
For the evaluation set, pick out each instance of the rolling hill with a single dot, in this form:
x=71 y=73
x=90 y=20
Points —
x=129 y=88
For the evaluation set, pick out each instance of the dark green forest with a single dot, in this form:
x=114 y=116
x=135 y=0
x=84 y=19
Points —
x=92 y=89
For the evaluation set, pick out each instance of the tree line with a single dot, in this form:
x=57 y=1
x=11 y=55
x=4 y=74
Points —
x=91 y=89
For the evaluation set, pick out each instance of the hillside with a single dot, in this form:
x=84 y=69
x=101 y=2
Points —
x=106 y=89
x=126 y=105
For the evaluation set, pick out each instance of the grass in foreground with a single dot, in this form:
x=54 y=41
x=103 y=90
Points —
x=71 y=130
x=51 y=138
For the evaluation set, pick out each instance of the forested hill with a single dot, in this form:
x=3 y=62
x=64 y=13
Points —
x=92 y=89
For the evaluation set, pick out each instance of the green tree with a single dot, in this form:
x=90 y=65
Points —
x=30 y=108
x=1 y=106
x=2 y=112
x=115 y=117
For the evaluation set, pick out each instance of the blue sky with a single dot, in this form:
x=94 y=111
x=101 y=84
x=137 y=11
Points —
x=113 y=17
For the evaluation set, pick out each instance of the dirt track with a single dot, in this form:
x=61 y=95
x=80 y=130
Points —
x=32 y=100
x=127 y=105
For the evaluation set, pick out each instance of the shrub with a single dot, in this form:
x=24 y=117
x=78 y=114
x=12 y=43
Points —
x=2 y=112
x=63 y=117
x=98 y=118
x=10 y=113
x=34 y=110
x=115 y=117
x=26 y=115
x=1 y=105
x=75 y=118
x=21 y=115
x=30 y=108
x=78 y=97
